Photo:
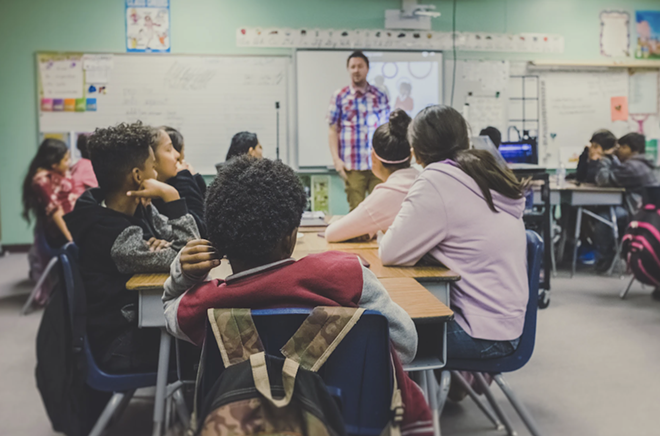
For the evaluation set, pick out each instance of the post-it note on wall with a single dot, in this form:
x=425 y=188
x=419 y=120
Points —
x=69 y=105
x=619 y=108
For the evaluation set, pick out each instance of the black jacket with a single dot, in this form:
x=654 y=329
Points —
x=112 y=248
x=190 y=189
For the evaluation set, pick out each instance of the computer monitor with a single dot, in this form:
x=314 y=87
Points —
x=520 y=152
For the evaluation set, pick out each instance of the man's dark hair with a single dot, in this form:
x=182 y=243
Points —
x=241 y=143
x=357 y=54
x=604 y=138
x=117 y=150
x=636 y=142
x=252 y=205
x=493 y=134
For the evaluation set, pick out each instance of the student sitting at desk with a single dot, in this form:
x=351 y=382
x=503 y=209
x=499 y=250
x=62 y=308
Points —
x=601 y=141
x=465 y=211
x=254 y=207
x=391 y=157
x=118 y=237
x=48 y=195
x=623 y=166
x=170 y=170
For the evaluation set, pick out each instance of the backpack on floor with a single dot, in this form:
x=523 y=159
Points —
x=259 y=394
x=641 y=245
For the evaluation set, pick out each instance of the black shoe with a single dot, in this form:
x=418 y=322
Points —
x=656 y=294
x=603 y=264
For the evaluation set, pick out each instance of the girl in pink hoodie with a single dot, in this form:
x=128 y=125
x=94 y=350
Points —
x=391 y=163
x=465 y=211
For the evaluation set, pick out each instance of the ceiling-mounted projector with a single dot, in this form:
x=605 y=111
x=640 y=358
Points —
x=411 y=16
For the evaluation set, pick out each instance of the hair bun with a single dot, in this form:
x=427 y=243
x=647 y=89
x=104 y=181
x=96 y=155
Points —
x=399 y=121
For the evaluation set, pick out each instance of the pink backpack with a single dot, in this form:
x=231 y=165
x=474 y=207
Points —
x=641 y=245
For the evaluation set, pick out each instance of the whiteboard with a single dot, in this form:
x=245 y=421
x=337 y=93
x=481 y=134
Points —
x=574 y=105
x=319 y=73
x=208 y=98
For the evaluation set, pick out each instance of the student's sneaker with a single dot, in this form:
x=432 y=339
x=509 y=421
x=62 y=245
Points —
x=586 y=255
x=656 y=294
x=603 y=264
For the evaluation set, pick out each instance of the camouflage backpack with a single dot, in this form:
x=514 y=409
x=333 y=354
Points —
x=266 y=395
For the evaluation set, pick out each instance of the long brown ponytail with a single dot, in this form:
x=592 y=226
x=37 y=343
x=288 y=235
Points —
x=439 y=132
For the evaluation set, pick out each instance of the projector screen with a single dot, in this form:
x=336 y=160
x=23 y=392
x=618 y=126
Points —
x=411 y=80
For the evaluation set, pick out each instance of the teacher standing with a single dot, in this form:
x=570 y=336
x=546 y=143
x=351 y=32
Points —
x=355 y=113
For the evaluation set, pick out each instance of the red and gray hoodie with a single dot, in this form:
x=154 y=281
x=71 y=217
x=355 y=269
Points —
x=326 y=279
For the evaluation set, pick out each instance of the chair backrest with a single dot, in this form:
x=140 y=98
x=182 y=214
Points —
x=525 y=348
x=76 y=301
x=358 y=371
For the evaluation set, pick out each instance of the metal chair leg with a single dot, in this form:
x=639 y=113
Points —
x=578 y=229
x=108 y=412
x=27 y=307
x=617 y=243
x=520 y=408
x=493 y=403
x=479 y=402
x=443 y=390
x=625 y=291
x=181 y=409
x=432 y=387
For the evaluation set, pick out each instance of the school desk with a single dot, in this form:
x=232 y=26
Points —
x=429 y=314
x=581 y=196
x=423 y=292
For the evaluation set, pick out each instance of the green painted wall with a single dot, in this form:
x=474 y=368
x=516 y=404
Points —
x=208 y=26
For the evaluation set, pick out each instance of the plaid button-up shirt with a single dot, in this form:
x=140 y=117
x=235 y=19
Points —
x=357 y=114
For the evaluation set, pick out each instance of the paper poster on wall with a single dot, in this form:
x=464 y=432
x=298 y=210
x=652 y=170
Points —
x=97 y=68
x=614 y=33
x=61 y=76
x=648 y=34
x=148 y=26
x=643 y=92
x=619 y=108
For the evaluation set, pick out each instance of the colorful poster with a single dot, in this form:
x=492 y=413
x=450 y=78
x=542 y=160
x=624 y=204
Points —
x=148 y=26
x=648 y=35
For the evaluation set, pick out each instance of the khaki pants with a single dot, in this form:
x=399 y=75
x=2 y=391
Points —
x=358 y=184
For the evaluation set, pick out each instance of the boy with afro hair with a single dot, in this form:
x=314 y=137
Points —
x=253 y=210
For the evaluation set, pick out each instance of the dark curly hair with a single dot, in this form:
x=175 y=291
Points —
x=117 y=150
x=252 y=205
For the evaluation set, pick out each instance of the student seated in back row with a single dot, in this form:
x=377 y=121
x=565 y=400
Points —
x=118 y=236
x=587 y=167
x=253 y=211
x=179 y=145
x=465 y=211
x=82 y=172
x=391 y=163
x=243 y=143
x=171 y=169
x=625 y=166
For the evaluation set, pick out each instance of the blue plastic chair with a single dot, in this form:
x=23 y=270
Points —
x=512 y=362
x=123 y=386
x=358 y=373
